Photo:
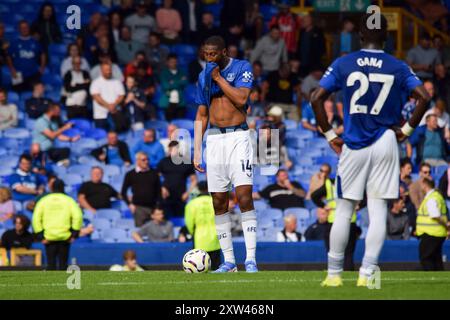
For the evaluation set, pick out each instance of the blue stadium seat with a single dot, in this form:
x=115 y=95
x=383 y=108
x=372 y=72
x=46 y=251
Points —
x=16 y=133
x=79 y=169
x=158 y=125
x=9 y=161
x=72 y=132
x=118 y=235
x=17 y=206
x=4 y=9
x=3 y=152
x=309 y=204
x=268 y=11
x=57 y=49
x=13 y=97
x=300 y=213
x=101 y=224
x=89 y=160
x=72 y=179
x=291 y=124
x=439 y=171
x=331 y=160
x=84 y=146
x=110 y=170
x=88 y=215
x=295 y=142
x=81 y=124
x=125 y=224
x=110 y=214
x=185 y=124
x=10 y=144
x=95 y=133
x=260 y=205
x=190 y=93
x=177 y=221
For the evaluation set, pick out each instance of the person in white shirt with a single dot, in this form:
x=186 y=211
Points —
x=8 y=112
x=67 y=63
x=443 y=118
x=108 y=94
x=76 y=87
x=289 y=233
x=106 y=58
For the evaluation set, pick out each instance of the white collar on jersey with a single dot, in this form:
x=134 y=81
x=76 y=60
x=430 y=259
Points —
x=229 y=64
x=373 y=50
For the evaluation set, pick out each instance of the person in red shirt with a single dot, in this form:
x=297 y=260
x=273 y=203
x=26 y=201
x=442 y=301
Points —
x=289 y=24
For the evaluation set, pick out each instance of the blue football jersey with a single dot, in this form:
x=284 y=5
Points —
x=238 y=73
x=375 y=86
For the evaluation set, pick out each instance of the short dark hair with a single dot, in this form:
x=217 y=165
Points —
x=216 y=41
x=404 y=162
x=173 y=143
x=258 y=63
x=129 y=255
x=424 y=164
x=23 y=220
x=140 y=52
x=429 y=182
x=376 y=35
x=280 y=171
x=275 y=26
x=202 y=186
x=157 y=207
x=58 y=186
x=172 y=56
x=26 y=157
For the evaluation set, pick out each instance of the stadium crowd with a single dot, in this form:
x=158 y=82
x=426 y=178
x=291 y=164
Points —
x=101 y=109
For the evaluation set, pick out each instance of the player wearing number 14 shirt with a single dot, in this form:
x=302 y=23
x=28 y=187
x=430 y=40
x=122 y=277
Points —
x=375 y=86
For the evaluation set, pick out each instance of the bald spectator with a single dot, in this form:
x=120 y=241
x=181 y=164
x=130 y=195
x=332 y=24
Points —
x=289 y=233
x=108 y=94
x=106 y=58
x=96 y=194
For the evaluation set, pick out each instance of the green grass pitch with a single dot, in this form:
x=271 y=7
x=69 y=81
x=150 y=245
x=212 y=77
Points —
x=178 y=285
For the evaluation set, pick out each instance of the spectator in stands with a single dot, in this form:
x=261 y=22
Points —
x=423 y=57
x=405 y=173
x=279 y=88
x=38 y=159
x=136 y=106
x=333 y=119
x=275 y=121
x=258 y=76
x=347 y=40
x=76 y=86
x=30 y=205
x=7 y=208
x=115 y=27
x=140 y=23
x=289 y=24
x=289 y=233
x=430 y=143
x=442 y=80
x=93 y=48
x=104 y=46
x=235 y=216
x=57 y=220
x=45 y=27
x=270 y=50
x=196 y=66
x=155 y=53
x=132 y=65
x=145 y=187
x=130 y=261
x=397 y=221
x=37 y=104
x=318 y=179
x=232 y=13
x=200 y=222
x=173 y=81
x=26 y=59
x=169 y=24
x=96 y=71
x=255 y=30
x=73 y=51
x=175 y=175
x=308 y=117
x=443 y=119
x=415 y=192
x=233 y=37
x=96 y=194
x=318 y=230
x=443 y=50
x=156 y=230
x=89 y=29
x=8 y=112
x=206 y=28
x=113 y=152
x=283 y=194
x=191 y=13
x=429 y=87
x=126 y=47
x=274 y=154
x=107 y=93
x=443 y=184
x=145 y=82
x=150 y=146
x=24 y=183
x=173 y=134
x=47 y=130
x=125 y=8
x=311 y=46
x=311 y=82
x=19 y=237
x=256 y=107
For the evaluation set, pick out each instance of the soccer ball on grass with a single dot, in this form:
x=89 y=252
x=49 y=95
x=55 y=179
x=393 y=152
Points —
x=196 y=261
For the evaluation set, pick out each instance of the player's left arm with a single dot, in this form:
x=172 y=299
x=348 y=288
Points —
x=239 y=94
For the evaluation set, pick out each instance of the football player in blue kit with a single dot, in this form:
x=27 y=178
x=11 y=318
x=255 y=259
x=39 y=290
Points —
x=375 y=86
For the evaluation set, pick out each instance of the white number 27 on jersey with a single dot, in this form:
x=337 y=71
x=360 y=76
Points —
x=386 y=79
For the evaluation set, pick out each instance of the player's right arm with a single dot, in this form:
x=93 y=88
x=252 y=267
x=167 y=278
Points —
x=328 y=84
x=201 y=122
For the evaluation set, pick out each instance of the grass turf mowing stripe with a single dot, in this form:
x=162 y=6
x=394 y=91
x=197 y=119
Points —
x=181 y=286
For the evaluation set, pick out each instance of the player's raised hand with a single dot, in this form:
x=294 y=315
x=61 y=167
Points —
x=336 y=144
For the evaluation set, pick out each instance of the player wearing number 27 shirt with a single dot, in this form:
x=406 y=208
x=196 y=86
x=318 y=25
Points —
x=375 y=86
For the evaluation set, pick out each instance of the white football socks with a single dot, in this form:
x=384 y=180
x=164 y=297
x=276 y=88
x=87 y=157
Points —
x=339 y=235
x=376 y=234
x=223 y=228
x=249 y=225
